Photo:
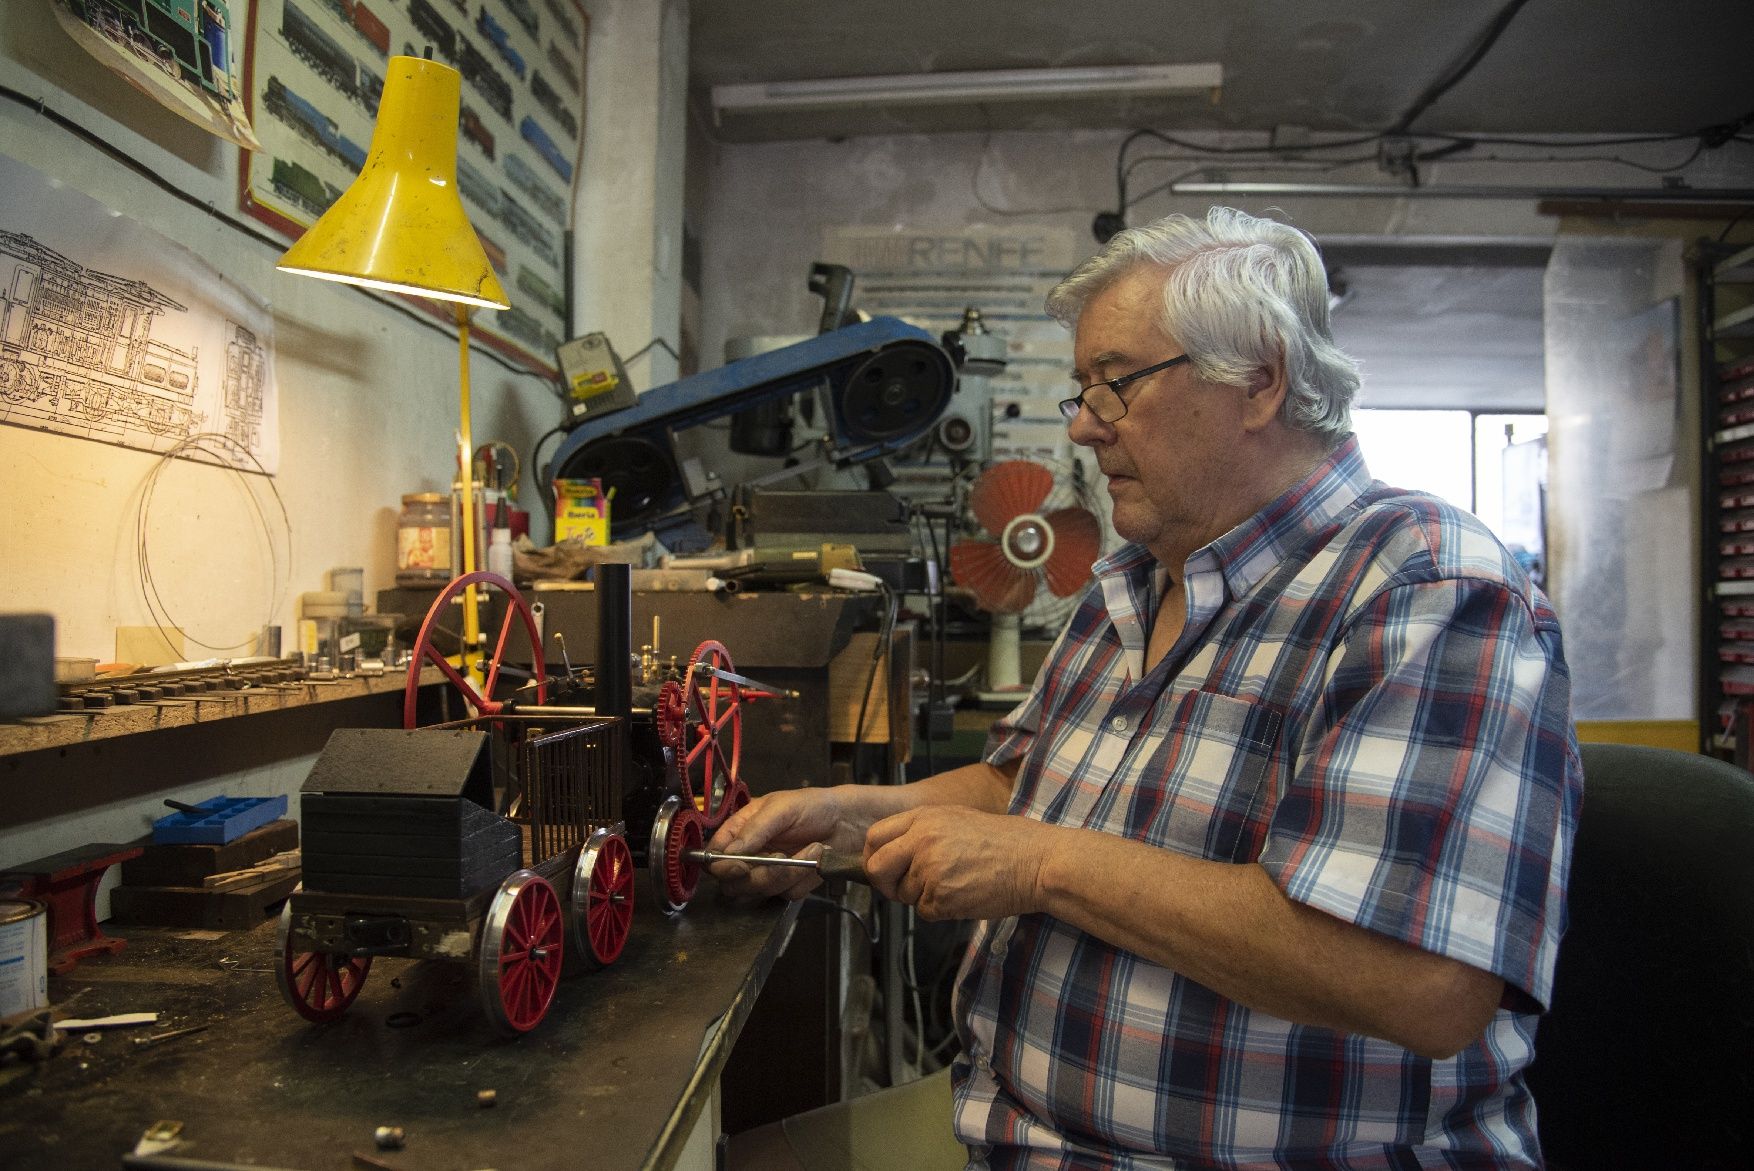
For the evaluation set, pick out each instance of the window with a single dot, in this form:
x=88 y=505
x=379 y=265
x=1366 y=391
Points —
x=1483 y=463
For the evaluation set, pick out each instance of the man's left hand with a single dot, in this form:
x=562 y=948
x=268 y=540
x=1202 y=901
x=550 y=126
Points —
x=957 y=863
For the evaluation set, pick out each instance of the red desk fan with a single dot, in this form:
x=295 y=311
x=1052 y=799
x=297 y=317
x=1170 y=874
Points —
x=1039 y=538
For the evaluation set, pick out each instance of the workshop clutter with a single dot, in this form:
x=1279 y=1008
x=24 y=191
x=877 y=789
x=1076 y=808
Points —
x=228 y=885
x=581 y=510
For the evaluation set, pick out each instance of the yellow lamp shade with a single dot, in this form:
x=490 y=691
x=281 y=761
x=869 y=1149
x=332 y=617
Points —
x=401 y=225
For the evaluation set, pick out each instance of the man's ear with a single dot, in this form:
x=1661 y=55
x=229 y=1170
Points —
x=1264 y=396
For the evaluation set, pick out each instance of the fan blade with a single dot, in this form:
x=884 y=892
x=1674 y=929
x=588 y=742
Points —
x=998 y=586
x=1077 y=542
x=1007 y=489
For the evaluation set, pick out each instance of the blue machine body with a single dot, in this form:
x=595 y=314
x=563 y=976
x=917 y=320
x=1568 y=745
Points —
x=885 y=383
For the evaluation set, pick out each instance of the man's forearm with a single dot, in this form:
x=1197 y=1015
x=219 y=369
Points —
x=977 y=786
x=1229 y=927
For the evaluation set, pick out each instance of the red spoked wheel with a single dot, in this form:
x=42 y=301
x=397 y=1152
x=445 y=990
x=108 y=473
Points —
x=318 y=984
x=426 y=652
x=602 y=897
x=522 y=949
x=678 y=828
x=713 y=740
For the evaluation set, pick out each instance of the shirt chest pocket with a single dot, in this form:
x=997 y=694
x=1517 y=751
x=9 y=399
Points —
x=1207 y=786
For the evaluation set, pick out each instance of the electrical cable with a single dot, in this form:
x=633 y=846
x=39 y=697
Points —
x=247 y=229
x=1454 y=76
x=657 y=341
x=872 y=927
x=227 y=451
x=878 y=654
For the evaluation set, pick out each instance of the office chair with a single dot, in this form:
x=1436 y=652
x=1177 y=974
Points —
x=1646 y=1057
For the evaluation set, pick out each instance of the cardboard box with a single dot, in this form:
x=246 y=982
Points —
x=580 y=510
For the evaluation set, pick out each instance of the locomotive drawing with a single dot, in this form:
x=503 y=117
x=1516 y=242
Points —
x=318 y=49
x=525 y=15
x=479 y=72
x=528 y=330
x=544 y=144
x=292 y=182
x=568 y=72
x=312 y=123
x=246 y=376
x=188 y=40
x=470 y=123
x=76 y=345
x=544 y=292
x=478 y=189
x=501 y=42
x=551 y=101
x=525 y=179
x=568 y=25
x=527 y=228
x=435 y=28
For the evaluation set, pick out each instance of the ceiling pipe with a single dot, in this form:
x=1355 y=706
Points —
x=1385 y=191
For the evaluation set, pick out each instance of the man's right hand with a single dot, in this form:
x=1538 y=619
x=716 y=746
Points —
x=795 y=822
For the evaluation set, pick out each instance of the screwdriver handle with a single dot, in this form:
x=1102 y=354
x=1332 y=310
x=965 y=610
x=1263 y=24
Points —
x=839 y=864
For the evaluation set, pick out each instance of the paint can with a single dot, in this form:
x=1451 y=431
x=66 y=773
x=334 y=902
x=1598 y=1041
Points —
x=24 y=956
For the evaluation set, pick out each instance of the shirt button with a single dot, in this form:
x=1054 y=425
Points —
x=1118 y=724
x=997 y=949
x=985 y=1066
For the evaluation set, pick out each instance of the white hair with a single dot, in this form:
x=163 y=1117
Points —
x=1241 y=294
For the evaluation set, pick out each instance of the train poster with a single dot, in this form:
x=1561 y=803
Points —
x=111 y=332
x=314 y=72
x=180 y=53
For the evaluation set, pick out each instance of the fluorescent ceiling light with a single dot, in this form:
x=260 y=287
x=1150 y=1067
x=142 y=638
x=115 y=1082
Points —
x=991 y=85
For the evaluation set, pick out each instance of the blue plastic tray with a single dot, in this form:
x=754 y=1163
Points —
x=227 y=818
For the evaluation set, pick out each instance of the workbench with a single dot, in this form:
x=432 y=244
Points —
x=622 y=1073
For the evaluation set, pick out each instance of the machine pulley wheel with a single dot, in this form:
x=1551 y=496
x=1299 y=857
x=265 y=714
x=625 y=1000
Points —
x=318 y=984
x=523 y=947
x=426 y=651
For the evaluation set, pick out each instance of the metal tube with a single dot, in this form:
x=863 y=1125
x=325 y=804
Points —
x=1386 y=190
x=614 y=639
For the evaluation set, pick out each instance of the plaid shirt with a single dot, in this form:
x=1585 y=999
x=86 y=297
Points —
x=1368 y=700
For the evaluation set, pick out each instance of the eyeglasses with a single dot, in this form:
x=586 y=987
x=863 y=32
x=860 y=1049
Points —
x=1104 y=397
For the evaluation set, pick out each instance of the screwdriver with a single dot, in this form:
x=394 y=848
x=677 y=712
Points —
x=833 y=863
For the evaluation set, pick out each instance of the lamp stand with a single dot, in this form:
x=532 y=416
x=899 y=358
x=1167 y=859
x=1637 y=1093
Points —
x=471 y=656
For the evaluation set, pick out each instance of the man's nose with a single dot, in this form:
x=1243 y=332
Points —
x=1086 y=430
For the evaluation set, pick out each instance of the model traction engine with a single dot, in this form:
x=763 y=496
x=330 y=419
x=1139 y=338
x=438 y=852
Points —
x=407 y=852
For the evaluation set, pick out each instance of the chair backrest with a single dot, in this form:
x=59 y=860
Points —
x=1646 y=1058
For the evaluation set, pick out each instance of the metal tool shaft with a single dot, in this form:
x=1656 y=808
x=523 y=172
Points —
x=832 y=864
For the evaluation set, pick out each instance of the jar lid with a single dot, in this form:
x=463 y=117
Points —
x=424 y=498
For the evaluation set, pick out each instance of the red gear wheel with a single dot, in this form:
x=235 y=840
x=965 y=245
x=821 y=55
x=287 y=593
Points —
x=672 y=713
x=681 y=874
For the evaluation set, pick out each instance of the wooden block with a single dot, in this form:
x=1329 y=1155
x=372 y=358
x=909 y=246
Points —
x=149 y=646
x=187 y=865
x=887 y=712
x=237 y=909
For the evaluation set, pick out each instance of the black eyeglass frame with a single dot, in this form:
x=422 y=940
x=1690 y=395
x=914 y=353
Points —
x=1069 y=406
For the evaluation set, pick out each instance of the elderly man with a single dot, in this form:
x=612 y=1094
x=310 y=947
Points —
x=1270 y=864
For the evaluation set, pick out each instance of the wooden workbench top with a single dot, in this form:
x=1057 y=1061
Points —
x=614 y=1077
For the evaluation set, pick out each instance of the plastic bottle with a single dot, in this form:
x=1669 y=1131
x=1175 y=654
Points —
x=499 y=553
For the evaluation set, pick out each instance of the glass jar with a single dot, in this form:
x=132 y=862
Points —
x=423 y=540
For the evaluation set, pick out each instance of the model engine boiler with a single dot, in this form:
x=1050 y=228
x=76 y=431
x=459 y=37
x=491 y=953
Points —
x=510 y=840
